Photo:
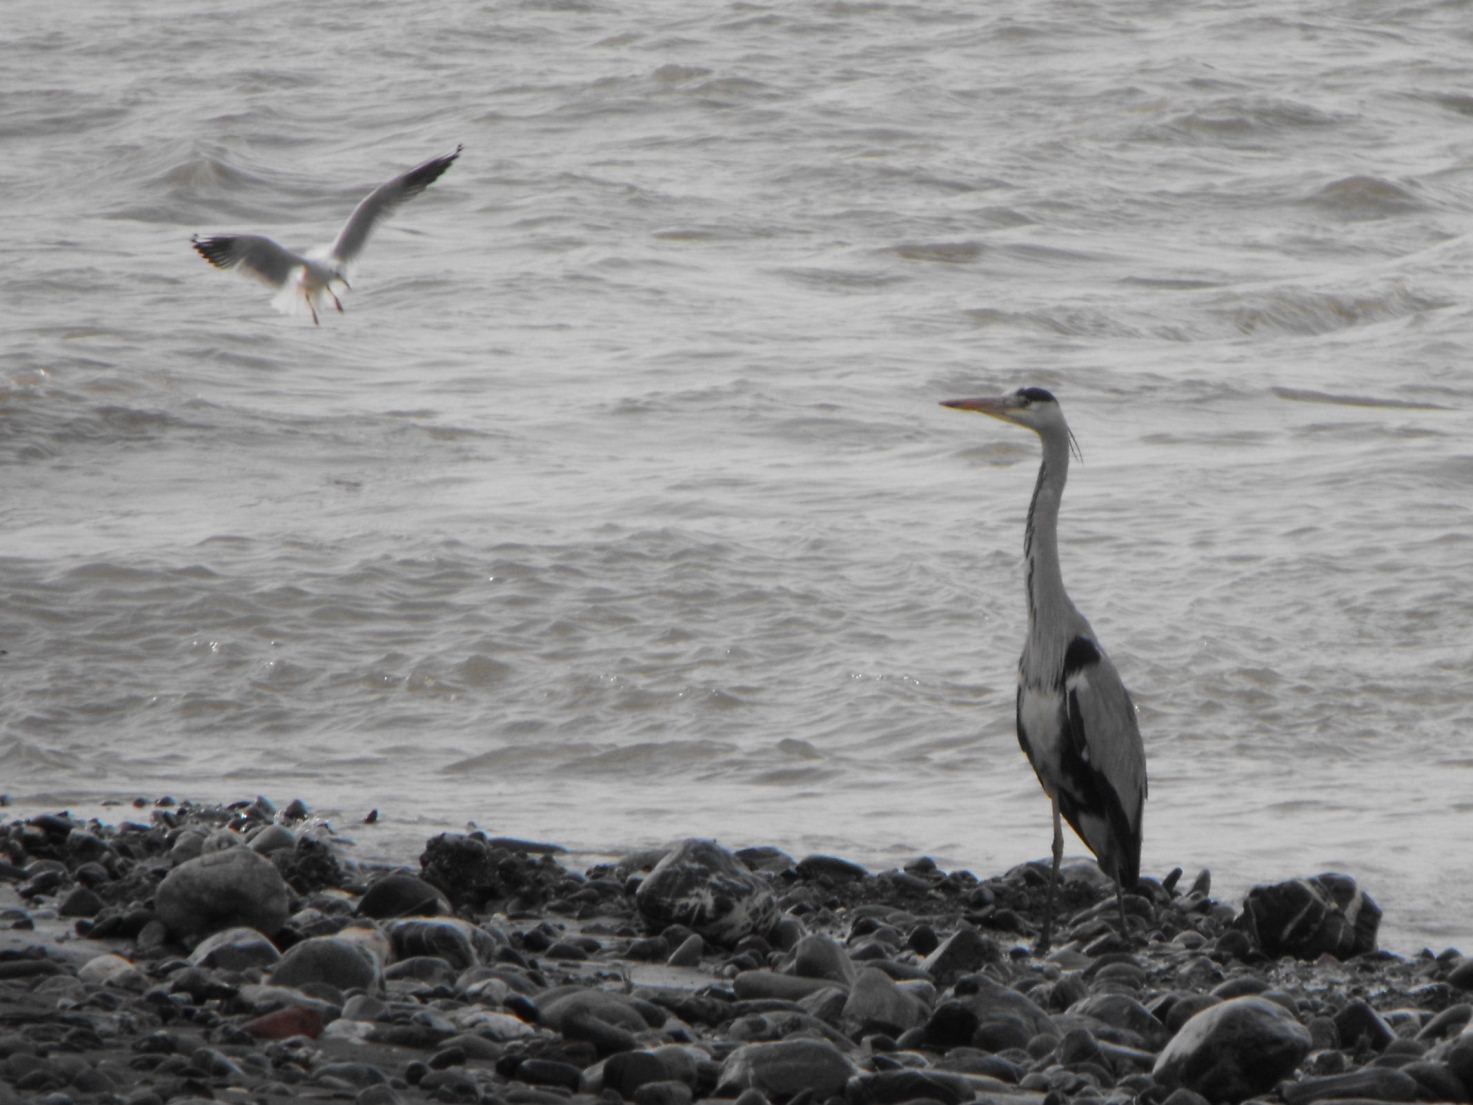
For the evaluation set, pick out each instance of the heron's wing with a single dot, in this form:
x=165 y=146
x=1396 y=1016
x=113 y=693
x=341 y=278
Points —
x=382 y=201
x=1105 y=761
x=252 y=254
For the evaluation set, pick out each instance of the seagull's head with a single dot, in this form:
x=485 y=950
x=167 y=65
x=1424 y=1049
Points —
x=1032 y=408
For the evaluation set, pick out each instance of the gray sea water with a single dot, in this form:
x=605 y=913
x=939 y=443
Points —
x=618 y=506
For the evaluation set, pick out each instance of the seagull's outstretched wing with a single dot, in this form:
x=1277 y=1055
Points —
x=254 y=255
x=381 y=202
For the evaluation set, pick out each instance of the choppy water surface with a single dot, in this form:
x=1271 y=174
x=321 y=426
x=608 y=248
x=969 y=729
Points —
x=619 y=505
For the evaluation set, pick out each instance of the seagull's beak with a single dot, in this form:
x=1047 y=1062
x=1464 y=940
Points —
x=995 y=405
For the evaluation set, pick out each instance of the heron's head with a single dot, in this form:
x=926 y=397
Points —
x=1033 y=408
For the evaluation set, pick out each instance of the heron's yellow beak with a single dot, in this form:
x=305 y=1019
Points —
x=997 y=406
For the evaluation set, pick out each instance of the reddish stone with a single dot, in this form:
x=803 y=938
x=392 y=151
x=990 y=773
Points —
x=292 y=1020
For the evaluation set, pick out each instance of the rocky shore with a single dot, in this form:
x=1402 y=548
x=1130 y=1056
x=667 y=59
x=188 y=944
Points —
x=195 y=953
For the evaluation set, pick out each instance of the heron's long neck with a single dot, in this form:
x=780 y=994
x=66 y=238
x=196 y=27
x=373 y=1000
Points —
x=1048 y=603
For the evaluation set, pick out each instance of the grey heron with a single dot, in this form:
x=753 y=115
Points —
x=311 y=275
x=1076 y=722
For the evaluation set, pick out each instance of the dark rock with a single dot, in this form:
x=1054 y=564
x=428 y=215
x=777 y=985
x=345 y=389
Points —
x=963 y=952
x=607 y=1039
x=1437 y=1081
x=786 y=1067
x=424 y=968
x=1233 y=1050
x=234 y=949
x=400 y=894
x=221 y=890
x=689 y=953
x=877 y=1005
x=1307 y=918
x=1005 y=1017
x=459 y=943
x=627 y=1071
x=340 y=963
x=1459 y=1059
x=663 y=1093
x=757 y=985
x=1079 y=1046
x=703 y=886
x=354 y=1074
x=476 y=874
x=1124 y=1012
x=891 y=1087
x=952 y=1024
x=1375 y=1083
x=1450 y=1021
x=1359 y=1025
x=557 y=1008
x=81 y=902
x=830 y=868
x=548 y=1072
x=271 y=838
x=819 y=956
x=1238 y=986
x=650 y=949
x=1461 y=975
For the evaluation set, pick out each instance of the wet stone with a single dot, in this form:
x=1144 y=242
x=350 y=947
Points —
x=81 y=902
x=1374 y=1083
x=1461 y=976
x=1358 y=1025
x=400 y=894
x=785 y=1067
x=703 y=886
x=1307 y=918
x=627 y=1071
x=235 y=949
x=221 y=890
x=819 y=956
x=877 y=1005
x=327 y=959
x=663 y=1093
x=1233 y=1050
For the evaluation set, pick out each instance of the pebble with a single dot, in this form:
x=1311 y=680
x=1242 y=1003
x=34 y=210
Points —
x=783 y=1068
x=495 y=974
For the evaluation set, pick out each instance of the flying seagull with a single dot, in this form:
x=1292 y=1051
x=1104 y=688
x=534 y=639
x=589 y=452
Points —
x=1076 y=722
x=311 y=275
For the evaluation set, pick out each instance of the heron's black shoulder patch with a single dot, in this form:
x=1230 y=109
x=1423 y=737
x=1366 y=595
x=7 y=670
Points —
x=1081 y=653
x=1037 y=395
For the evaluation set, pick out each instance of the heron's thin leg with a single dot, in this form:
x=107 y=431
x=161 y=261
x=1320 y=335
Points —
x=311 y=307
x=1120 y=901
x=1053 y=880
x=335 y=301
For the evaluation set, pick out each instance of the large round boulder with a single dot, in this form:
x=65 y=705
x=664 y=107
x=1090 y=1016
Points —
x=1233 y=1050
x=225 y=889
x=1307 y=918
x=326 y=959
x=701 y=885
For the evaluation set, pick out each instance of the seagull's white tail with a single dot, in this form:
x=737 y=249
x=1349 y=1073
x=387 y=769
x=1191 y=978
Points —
x=291 y=299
